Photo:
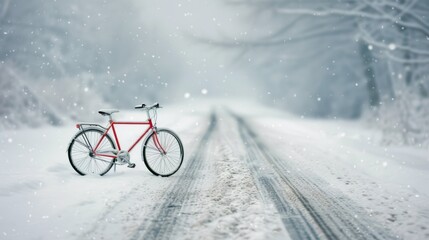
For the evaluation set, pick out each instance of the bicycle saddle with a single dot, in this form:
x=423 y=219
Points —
x=107 y=112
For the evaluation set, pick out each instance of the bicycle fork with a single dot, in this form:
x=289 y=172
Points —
x=157 y=143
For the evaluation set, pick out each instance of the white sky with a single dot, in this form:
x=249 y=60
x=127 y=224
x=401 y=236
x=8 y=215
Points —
x=207 y=67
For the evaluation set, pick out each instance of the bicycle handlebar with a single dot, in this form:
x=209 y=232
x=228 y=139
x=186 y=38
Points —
x=143 y=106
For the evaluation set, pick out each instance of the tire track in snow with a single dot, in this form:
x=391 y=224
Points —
x=271 y=193
x=168 y=212
x=229 y=205
x=307 y=211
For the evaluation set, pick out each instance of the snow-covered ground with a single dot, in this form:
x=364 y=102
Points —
x=391 y=183
x=41 y=197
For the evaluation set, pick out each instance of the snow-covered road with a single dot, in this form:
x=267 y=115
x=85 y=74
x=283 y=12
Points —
x=249 y=173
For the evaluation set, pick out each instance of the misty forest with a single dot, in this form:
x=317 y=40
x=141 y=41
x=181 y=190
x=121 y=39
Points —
x=328 y=59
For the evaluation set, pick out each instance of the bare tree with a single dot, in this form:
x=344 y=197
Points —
x=389 y=36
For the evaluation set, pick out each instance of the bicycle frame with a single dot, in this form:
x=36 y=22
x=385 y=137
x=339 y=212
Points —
x=112 y=126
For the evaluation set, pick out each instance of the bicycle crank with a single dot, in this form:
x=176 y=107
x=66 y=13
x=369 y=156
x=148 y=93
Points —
x=123 y=157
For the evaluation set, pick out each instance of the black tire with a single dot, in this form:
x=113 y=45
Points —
x=79 y=153
x=163 y=164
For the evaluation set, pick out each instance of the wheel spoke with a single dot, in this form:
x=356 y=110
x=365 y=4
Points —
x=79 y=152
x=163 y=164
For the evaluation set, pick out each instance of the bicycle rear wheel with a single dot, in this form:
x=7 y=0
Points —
x=159 y=163
x=81 y=157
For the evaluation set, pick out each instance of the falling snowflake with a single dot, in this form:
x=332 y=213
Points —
x=204 y=91
x=187 y=95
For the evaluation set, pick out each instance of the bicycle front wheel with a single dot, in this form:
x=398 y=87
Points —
x=165 y=158
x=80 y=153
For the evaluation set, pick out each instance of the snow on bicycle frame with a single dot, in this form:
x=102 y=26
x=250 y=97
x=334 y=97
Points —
x=162 y=151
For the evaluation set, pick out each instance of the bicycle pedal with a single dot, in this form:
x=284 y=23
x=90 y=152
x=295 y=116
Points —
x=131 y=165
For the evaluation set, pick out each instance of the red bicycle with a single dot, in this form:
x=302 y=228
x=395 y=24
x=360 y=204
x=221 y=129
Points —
x=93 y=151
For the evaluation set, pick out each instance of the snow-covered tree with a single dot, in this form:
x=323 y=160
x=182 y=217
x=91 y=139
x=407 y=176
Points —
x=79 y=54
x=344 y=56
